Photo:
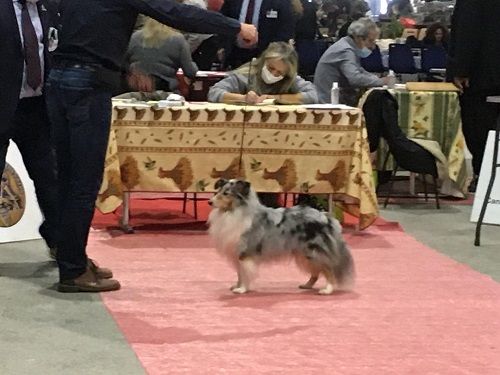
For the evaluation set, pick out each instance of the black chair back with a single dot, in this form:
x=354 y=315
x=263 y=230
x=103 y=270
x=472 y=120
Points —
x=433 y=57
x=309 y=52
x=373 y=63
x=401 y=59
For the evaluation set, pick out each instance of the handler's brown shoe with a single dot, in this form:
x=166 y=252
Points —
x=100 y=272
x=88 y=282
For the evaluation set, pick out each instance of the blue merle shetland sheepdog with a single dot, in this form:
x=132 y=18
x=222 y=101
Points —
x=248 y=233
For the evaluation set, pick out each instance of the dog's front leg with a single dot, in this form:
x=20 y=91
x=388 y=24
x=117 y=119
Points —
x=238 y=283
x=245 y=269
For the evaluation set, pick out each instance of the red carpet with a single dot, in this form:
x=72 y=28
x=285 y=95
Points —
x=413 y=310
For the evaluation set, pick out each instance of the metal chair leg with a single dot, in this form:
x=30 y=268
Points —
x=391 y=186
x=436 y=192
x=424 y=176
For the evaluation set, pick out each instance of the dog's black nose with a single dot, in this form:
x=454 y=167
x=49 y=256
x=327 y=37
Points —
x=210 y=203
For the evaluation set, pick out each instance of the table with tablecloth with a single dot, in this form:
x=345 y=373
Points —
x=435 y=115
x=276 y=148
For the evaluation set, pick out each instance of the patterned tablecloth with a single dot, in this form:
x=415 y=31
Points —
x=285 y=149
x=434 y=115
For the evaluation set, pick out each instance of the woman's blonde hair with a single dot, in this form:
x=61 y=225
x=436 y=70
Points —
x=155 y=33
x=276 y=51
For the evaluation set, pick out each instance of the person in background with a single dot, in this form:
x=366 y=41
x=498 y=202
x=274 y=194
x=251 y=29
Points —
x=399 y=8
x=159 y=51
x=273 y=19
x=271 y=76
x=358 y=9
x=28 y=36
x=87 y=69
x=206 y=49
x=474 y=53
x=195 y=39
x=307 y=23
x=341 y=63
x=436 y=35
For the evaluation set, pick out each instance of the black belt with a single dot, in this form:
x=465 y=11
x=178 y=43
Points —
x=105 y=78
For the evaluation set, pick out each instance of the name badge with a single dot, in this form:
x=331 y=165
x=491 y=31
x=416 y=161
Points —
x=53 y=39
x=272 y=14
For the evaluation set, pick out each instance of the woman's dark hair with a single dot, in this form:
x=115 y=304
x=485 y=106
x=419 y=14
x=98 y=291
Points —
x=429 y=34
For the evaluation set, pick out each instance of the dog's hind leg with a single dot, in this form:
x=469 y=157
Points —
x=306 y=265
x=330 y=284
x=310 y=283
x=245 y=271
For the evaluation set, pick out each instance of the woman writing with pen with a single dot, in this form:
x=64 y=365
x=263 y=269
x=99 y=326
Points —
x=272 y=76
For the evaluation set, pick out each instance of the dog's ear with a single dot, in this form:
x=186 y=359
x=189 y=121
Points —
x=242 y=188
x=220 y=183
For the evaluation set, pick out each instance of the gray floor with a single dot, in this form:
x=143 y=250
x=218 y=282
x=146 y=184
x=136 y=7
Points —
x=449 y=231
x=45 y=332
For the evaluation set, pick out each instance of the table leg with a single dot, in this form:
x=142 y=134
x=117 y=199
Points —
x=124 y=221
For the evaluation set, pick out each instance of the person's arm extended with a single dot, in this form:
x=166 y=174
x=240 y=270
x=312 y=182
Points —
x=355 y=74
x=193 y=19
x=187 y=64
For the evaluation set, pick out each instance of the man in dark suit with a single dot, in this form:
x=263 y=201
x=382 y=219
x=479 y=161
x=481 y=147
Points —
x=475 y=67
x=274 y=20
x=24 y=47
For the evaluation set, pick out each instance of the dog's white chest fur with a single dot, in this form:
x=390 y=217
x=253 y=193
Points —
x=226 y=228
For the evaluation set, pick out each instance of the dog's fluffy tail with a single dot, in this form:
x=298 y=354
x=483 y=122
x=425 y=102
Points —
x=343 y=269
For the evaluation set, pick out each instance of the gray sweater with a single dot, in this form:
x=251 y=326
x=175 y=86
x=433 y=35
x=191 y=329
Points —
x=238 y=83
x=164 y=61
x=341 y=64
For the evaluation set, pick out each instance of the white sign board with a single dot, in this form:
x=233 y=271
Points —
x=20 y=215
x=492 y=215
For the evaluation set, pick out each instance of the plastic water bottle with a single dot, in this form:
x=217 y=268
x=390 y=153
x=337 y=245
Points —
x=391 y=82
x=335 y=93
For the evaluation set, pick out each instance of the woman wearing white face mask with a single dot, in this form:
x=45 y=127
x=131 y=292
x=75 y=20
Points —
x=272 y=76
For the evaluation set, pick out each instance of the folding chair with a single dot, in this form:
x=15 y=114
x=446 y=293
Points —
x=401 y=59
x=373 y=63
x=434 y=63
x=309 y=52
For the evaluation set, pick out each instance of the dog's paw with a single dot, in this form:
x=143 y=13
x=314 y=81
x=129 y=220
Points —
x=239 y=290
x=326 y=290
x=233 y=287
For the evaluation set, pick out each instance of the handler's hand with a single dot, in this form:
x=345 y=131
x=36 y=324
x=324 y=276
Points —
x=248 y=34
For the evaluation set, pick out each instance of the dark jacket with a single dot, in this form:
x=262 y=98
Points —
x=475 y=44
x=11 y=51
x=307 y=25
x=279 y=29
